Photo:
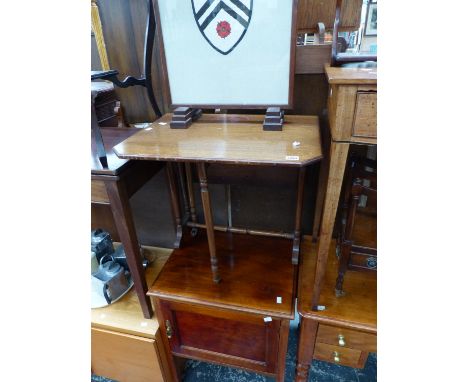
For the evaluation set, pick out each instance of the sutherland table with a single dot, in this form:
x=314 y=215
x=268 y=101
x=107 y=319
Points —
x=230 y=139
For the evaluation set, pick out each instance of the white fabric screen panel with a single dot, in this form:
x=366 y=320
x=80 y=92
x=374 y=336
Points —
x=205 y=65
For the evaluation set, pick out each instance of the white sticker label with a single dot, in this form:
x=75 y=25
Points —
x=162 y=123
x=320 y=307
x=292 y=157
x=279 y=300
x=267 y=319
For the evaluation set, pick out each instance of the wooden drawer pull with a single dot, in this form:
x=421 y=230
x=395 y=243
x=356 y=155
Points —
x=341 y=340
x=336 y=356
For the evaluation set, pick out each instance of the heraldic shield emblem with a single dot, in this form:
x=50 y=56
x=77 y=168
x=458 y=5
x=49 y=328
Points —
x=223 y=23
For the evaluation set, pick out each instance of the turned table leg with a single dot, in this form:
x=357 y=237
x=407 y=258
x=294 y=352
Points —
x=120 y=207
x=338 y=157
x=208 y=220
x=297 y=227
x=305 y=352
x=174 y=202
x=181 y=175
x=193 y=214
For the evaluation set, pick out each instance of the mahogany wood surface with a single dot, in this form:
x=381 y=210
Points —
x=255 y=271
x=227 y=139
x=212 y=334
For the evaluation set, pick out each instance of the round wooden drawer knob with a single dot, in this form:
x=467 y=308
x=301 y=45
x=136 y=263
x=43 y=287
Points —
x=341 y=340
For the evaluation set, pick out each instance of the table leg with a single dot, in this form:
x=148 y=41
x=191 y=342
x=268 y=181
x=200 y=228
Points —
x=297 y=228
x=322 y=182
x=121 y=211
x=307 y=334
x=283 y=348
x=193 y=214
x=180 y=173
x=208 y=220
x=174 y=202
x=338 y=157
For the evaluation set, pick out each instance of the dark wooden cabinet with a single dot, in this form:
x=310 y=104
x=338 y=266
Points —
x=235 y=338
x=243 y=321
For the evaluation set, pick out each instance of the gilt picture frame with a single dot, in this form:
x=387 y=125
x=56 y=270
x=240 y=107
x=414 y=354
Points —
x=237 y=54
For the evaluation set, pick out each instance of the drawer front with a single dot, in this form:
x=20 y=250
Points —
x=349 y=338
x=338 y=355
x=236 y=339
x=365 y=115
x=124 y=357
x=99 y=192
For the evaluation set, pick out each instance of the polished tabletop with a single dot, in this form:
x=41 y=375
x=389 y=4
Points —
x=227 y=138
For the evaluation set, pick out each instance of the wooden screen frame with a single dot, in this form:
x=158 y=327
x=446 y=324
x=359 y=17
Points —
x=292 y=64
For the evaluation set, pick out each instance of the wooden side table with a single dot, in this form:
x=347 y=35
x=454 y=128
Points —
x=115 y=185
x=244 y=320
x=230 y=139
x=339 y=329
x=352 y=111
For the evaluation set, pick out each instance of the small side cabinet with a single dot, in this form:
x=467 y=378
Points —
x=230 y=337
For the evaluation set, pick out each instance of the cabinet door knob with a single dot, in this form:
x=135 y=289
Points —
x=341 y=340
x=336 y=356
x=168 y=329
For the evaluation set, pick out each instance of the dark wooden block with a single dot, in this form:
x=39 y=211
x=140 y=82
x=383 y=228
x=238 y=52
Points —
x=183 y=117
x=273 y=119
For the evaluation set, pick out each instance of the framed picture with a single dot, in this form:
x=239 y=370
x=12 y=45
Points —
x=228 y=53
x=371 y=20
